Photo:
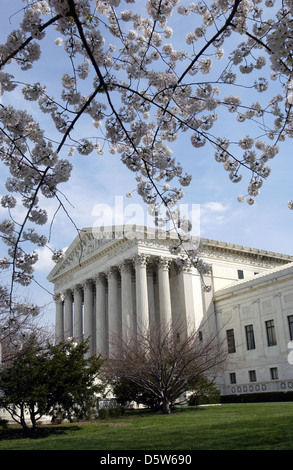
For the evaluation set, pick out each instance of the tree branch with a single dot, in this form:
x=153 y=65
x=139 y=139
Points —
x=28 y=40
x=207 y=45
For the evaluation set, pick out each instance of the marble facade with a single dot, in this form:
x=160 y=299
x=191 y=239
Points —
x=114 y=282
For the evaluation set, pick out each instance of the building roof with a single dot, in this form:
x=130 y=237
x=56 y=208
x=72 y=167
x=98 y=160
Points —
x=279 y=273
x=93 y=241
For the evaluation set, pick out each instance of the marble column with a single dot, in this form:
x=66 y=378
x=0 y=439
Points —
x=88 y=289
x=186 y=320
x=142 y=307
x=77 y=313
x=59 y=321
x=101 y=316
x=164 y=294
x=151 y=298
x=68 y=315
x=114 y=317
x=127 y=306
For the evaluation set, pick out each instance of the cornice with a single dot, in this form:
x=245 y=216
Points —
x=208 y=245
x=279 y=274
x=93 y=244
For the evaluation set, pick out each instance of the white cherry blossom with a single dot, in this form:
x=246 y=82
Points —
x=139 y=88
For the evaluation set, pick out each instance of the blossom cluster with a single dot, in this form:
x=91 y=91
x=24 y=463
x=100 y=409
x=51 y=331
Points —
x=140 y=91
x=16 y=323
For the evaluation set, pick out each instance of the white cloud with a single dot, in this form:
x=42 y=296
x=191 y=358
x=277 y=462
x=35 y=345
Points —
x=44 y=262
x=212 y=215
x=213 y=206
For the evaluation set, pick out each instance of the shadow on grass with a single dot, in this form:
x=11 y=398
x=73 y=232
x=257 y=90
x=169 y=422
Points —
x=39 y=433
x=13 y=432
x=145 y=412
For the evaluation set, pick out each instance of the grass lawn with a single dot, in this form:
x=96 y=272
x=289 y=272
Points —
x=266 y=426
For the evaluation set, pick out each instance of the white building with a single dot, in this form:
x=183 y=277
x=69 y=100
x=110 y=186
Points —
x=256 y=315
x=123 y=279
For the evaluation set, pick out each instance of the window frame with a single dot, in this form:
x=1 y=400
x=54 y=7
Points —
x=250 y=340
x=232 y=376
x=274 y=373
x=252 y=376
x=240 y=273
x=231 y=341
x=271 y=333
x=290 y=326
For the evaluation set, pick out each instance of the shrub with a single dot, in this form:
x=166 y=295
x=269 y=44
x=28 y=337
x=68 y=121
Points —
x=103 y=413
x=116 y=412
x=205 y=392
x=4 y=424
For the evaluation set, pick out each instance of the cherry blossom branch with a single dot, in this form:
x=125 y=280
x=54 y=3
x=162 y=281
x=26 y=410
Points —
x=105 y=88
x=181 y=121
x=103 y=83
x=212 y=40
x=28 y=40
x=141 y=128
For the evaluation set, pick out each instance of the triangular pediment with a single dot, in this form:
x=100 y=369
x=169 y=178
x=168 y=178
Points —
x=92 y=241
x=85 y=245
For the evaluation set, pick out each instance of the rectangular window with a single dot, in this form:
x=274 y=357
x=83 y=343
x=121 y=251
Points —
x=252 y=375
x=240 y=274
x=232 y=378
x=271 y=333
x=249 y=337
x=290 y=323
x=231 y=341
x=274 y=373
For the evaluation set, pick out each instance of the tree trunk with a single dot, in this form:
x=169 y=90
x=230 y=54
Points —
x=166 y=406
x=22 y=418
x=33 y=418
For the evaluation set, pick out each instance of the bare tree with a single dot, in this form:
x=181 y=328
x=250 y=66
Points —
x=165 y=364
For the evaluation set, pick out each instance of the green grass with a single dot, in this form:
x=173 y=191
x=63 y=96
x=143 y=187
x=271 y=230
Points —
x=266 y=426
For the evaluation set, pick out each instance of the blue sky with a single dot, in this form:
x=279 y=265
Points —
x=99 y=179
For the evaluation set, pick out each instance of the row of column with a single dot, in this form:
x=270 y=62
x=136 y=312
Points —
x=108 y=306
